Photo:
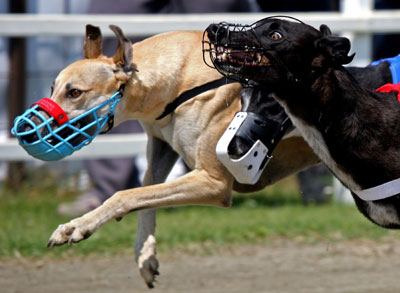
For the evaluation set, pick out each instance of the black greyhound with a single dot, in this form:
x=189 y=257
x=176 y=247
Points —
x=269 y=115
x=354 y=130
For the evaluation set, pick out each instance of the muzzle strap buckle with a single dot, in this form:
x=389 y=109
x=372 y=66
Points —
x=110 y=120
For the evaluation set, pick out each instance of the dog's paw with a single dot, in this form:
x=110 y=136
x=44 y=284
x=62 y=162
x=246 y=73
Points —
x=149 y=270
x=147 y=261
x=69 y=233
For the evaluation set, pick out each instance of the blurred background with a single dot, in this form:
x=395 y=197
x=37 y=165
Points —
x=45 y=36
x=38 y=38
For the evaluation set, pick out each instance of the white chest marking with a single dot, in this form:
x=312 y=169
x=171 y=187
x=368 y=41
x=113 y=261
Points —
x=314 y=138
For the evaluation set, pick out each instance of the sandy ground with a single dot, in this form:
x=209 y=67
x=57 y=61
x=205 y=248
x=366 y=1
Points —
x=351 y=267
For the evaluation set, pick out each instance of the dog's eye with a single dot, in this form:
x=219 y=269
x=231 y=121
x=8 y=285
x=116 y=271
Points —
x=74 y=93
x=275 y=35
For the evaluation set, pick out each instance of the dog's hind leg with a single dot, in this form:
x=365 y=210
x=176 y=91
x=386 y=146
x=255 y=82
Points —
x=161 y=158
x=145 y=246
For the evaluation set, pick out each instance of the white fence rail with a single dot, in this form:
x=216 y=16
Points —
x=104 y=146
x=363 y=22
x=357 y=21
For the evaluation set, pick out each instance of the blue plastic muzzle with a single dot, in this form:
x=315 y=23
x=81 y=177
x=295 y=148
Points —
x=56 y=137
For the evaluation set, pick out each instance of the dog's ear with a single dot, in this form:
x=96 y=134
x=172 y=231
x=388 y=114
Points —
x=124 y=55
x=93 y=46
x=336 y=49
x=325 y=30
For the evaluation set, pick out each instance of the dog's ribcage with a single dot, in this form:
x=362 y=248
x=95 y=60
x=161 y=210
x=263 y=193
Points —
x=314 y=138
x=383 y=215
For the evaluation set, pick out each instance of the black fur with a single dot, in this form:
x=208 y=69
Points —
x=360 y=127
x=259 y=101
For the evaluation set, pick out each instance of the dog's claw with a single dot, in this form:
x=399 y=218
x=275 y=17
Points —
x=150 y=285
x=150 y=271
x=71 y=232
x=147 y=261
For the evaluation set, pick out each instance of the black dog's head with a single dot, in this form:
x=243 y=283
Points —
x=274 y=51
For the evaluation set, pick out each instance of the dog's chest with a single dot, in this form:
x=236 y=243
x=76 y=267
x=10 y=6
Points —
x=314 y=138
x=182 y=136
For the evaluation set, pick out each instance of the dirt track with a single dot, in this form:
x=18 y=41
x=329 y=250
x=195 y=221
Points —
x=352 y=267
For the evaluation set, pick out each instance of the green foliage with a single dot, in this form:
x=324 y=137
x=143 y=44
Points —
x=28 y=217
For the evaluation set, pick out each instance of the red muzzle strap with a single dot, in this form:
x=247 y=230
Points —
x=390 y=88
x=53 y=110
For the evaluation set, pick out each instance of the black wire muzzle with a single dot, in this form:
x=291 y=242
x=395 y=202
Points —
x=216 y=49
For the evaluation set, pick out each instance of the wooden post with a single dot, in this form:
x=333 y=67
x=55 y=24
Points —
x=16 y=89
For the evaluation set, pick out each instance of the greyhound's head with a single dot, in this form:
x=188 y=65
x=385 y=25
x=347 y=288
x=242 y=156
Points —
x=88 y=82
x=274 y=51
x=84 y=98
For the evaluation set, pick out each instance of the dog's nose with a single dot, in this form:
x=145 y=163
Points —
x=27 y=127
x=238 y=147
x=213 y=30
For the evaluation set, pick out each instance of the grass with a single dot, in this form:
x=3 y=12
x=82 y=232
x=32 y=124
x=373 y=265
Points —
x=28 y=217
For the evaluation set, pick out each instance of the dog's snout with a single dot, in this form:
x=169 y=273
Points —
x=27 y=128
x=215 y=30
x=37 y=120
x=212 y=28
x=238 y=147
x=33 y=127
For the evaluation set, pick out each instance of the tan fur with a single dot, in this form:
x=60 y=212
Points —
x=169 y=64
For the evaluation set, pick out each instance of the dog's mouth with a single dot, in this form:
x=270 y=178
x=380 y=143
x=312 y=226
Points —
x=240 y=57
x=239 y=61
x=53 y=133
x=235 y=52
x=46 y=132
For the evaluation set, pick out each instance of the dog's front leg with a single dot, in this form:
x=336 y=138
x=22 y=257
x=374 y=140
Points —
x=198 y=187
x=161 y=158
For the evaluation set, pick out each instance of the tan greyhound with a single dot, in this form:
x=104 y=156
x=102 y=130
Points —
x=156 y=71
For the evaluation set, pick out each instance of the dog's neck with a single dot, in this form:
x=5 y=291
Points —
x=347 y=126
x=163 y=77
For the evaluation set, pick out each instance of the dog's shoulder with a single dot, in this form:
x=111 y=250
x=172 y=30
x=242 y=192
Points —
x=372 y=76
